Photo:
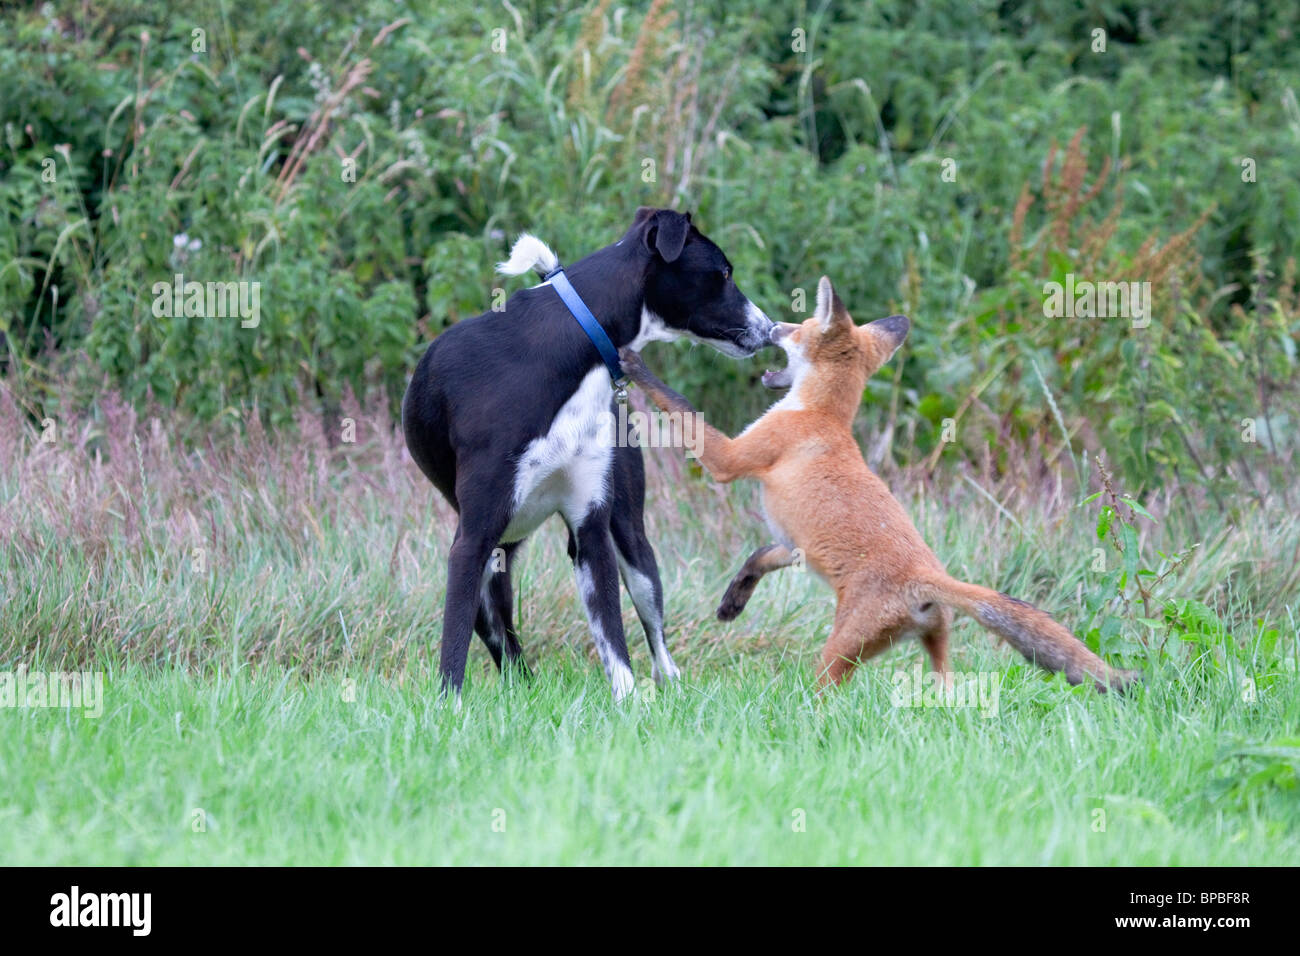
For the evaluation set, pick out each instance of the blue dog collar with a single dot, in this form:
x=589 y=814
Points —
x=599 y=338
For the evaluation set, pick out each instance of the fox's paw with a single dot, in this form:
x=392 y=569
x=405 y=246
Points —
x=1123 y=681
x=1119 y=681
x=734 y=601
x=728 y=611
x=634 y=367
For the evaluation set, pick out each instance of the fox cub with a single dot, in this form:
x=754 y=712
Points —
x=822 y=500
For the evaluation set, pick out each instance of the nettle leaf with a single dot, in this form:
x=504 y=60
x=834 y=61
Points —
x=1109 y=639
x=1136 y=506
x=1198 y=620
x=1104 y=520
x=1162 y=409
x=1093 y=639
x=1130 y=538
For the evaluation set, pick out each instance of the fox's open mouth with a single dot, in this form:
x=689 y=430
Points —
x=777 y=378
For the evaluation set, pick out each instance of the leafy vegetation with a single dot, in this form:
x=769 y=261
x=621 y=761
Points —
x=941 y=159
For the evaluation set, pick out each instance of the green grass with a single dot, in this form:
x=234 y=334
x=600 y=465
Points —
x=225 y=680
x=717 y=770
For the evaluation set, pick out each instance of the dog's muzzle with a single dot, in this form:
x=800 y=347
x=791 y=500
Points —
x=758 y=330
x=751 y=340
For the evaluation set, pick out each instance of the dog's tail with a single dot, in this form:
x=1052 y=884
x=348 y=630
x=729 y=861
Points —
x=1030 y=631
x=529 y=252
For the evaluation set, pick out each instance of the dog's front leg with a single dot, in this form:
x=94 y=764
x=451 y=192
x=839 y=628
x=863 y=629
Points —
x=596 y=567
x=725 y=458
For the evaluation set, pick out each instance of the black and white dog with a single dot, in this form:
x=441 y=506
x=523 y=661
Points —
x=503 y=415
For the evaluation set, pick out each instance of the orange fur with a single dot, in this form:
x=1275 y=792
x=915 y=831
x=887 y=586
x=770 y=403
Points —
x=821 y=498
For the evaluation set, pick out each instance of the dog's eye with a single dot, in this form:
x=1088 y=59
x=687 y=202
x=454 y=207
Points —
x=726 y=273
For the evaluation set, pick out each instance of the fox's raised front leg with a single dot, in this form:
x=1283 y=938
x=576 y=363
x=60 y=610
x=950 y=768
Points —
x=765 y=560
x=664 y=398
x=726 y=458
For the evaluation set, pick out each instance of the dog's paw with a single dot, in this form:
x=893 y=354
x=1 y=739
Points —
x=666 y=672
x=621 y=682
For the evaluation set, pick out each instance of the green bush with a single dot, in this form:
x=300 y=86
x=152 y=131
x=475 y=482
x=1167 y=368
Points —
x=886 y=145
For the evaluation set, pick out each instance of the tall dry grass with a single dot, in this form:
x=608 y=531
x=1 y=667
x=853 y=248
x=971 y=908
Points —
x=121 y=540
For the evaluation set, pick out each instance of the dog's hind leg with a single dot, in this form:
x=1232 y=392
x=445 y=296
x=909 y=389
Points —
x=765 y=560
x=640 y=570
x=483 y=519
x=495 y=620
x=597 y=572
x=636 y=558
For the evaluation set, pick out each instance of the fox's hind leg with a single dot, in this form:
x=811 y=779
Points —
x=935 y=642
x=858 y=634
x=765 y=560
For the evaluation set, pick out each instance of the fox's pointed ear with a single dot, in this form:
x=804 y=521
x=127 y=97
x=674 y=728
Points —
x=890 y=332
x=829 y=307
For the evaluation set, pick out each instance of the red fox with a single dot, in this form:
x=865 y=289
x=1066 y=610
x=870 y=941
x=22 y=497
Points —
x=822 y=500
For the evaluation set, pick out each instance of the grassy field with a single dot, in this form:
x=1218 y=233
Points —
x=738 y=765
x=264 y=612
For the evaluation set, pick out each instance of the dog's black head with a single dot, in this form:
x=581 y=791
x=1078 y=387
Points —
x=690 y=289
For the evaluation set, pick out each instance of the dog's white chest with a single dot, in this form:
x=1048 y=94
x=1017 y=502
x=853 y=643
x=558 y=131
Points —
x=567 y=469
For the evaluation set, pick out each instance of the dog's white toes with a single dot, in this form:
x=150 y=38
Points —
x=621 y=682
x=664 y=671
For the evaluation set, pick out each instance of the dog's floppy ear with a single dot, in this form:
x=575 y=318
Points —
x=829 y=307
x=667 y=232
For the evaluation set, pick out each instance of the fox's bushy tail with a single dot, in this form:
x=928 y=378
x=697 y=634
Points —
x=1032 y=632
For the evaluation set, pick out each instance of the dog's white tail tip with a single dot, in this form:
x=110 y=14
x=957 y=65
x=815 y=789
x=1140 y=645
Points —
x=528 y=252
